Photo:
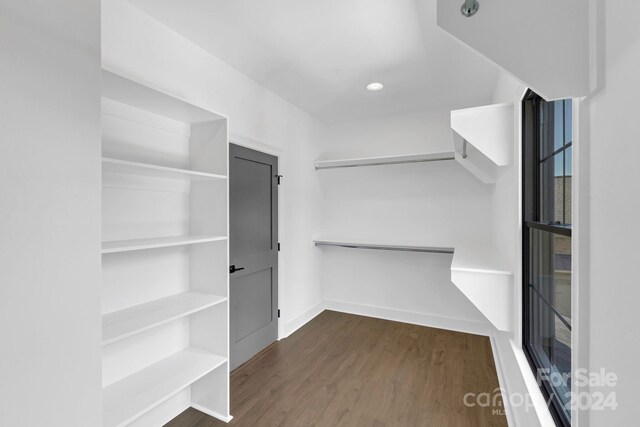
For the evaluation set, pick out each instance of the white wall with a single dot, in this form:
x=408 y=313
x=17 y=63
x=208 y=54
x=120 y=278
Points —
x=50 y=213
x=437 y=203
x=138 y=47
x=506 y=206
x=612 y=152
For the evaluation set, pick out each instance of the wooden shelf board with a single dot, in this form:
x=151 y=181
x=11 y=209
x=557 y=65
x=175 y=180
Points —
x=385 y=160
x=145 y=169
x=130 y=321
x=156 y=242
x=135 y=395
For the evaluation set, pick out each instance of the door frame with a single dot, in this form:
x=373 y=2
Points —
x=253 y=144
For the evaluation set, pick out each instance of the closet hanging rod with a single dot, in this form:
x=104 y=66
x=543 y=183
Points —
x=402 y=248
x=387 y=160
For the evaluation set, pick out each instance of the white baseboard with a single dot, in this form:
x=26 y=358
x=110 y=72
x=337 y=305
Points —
x=422 y=319
x=302 y=319
x=211 y=413
x=152 y=419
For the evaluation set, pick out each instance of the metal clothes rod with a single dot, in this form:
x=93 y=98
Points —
x=386 y=160
x=398 y=162
x=429 y=249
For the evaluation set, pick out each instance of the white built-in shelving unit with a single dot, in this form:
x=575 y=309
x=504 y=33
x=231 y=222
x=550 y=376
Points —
x=479 y=272
x=483 y=139
x=483 y=276
x=483 y=142
x=165 y=312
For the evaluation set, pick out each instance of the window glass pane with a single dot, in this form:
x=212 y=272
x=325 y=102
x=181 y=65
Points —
x=550 y=338
x=550 y=269
x=567 y=121
x=545 y=204
x=551 y=132
x=558 y=124
x=551 y=193
x=550 y=302
x=545 y=137
x=568 y=180
x=568 y=168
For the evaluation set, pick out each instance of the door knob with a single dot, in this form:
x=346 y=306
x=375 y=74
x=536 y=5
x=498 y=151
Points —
x=233 y=269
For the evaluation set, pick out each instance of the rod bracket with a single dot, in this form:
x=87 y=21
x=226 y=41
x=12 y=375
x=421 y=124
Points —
x=469 y=8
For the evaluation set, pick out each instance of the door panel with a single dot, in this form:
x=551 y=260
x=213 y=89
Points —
x=251 y=291
x=253 y=207
x=253 y=225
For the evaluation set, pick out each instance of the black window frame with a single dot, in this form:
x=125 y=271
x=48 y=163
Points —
x=531 y=219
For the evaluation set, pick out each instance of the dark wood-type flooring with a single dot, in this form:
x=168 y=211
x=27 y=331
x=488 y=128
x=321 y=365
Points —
x=346 y=370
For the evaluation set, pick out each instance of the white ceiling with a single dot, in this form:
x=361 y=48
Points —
x=320 y=54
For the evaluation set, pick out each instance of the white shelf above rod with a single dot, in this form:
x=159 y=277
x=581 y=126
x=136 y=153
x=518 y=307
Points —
x=402 y=248
x=387 y=160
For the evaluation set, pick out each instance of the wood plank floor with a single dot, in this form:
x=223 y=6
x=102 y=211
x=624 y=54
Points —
x=346 y=370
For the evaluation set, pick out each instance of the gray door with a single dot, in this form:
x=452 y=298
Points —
x=253 y=225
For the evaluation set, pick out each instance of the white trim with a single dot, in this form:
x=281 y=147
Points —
x=301 y=320
x=580 y=251
x=521 y=383
x=237 y=139
x=502 y=380
x=517 y=273
x=533 y=389
x=212 y=413
x=175 y=413
x=421 y=319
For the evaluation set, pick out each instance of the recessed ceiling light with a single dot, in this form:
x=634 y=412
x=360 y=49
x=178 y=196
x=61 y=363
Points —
x=374 y=87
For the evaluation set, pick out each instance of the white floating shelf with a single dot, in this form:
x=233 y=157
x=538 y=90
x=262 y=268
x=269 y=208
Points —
x=489 y=132
x=479 y=272
x=125 y=323
x=386 y=160
x=386 y=247
x=144 y=169
x=133 y=396
x=156 y=242
x=483 y=278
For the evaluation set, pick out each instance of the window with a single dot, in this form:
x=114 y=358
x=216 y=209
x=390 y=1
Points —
x=547 y=172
